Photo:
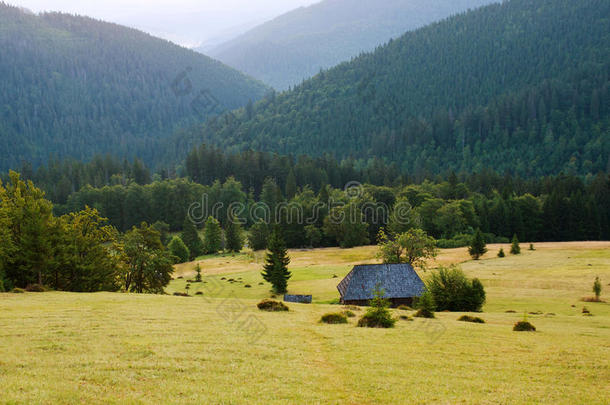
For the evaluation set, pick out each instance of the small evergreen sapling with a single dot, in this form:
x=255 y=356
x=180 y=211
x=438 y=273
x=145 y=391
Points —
x=275 y=270
x=515 y=249
x=198 y=278
x=477 y=247
x=501 y=253
x=597 y=288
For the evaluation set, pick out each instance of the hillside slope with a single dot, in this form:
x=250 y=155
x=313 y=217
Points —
x=295 y=46
x=522 y=86
x=74 y=86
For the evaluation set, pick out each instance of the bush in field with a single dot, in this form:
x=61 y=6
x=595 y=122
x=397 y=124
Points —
x=426 y=306
x=179 y=250
x=501 y=253
x=272 y=306
x=452 y=291
x=349 y=313
x=17 y=290
x=333 y=318
x=524 y=326
x=378 y=315
x=468 y=318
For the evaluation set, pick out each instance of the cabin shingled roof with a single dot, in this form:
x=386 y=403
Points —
x=398 y=281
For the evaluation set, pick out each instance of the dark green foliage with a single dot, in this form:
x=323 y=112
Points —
x=473 y=319
x=275 y=270
x=501 y=253
x=414 y=247
x=163 y=229
x=524 y=326
x=272 y=306
x=452 y=291
x=426 y=306
x=35 y=288
x=78 y=86
x=400 y=103
x=377 y=315
x=179 y=250
x=234 y=235
x=18 y=290
x=333 y=318
x=296 y=45
x=191 y=239
x=348 y=313
x=597 y=288
x=212 y=236
x=257 y=238
x=515 y=249
x=313 y=235
x=198 y=278
x=477 y=246
x=531 y=248
x=148 y=263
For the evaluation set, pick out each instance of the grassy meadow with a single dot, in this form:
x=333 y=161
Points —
x=217 y=348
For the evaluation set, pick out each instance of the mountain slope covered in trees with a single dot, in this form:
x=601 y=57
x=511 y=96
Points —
x=521 y=86
x=295 y=46
x=74 y=86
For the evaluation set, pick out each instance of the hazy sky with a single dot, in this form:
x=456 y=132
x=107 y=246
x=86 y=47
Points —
x=188 y=22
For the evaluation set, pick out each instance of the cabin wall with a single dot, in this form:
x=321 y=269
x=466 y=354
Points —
x=395 y=302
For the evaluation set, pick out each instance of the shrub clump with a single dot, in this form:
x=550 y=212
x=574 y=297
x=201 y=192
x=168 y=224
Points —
x=181 y=294
x=406 y=318
x=349 y=313
x=473 y=319
x=333 y=318
x=524 y=326
x=452 y=291
x=404 y=308
x=17 y=290
x=272 y=306
x=35 y=288
x=426 y=306
x=378 y=315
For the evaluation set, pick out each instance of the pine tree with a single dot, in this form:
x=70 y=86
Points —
x=191 y=239
x=477 y=246
x=233 y=235
x=501 y=253
x=515 y=249
x=275 y=270
x=212 y=236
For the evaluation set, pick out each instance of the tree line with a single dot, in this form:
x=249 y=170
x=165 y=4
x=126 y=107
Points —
x=77 y=251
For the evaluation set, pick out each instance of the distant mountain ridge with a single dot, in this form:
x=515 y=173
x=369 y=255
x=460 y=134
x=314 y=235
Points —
x=295 y=46
x=73 y=86
x=522 y=86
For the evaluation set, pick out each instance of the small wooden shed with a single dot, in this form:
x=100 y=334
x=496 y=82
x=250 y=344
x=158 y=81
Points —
x=399 y=281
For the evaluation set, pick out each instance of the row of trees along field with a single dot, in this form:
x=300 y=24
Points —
x=550 y=209
x=74 y=252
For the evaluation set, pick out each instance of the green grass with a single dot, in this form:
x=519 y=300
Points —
x=121 y=348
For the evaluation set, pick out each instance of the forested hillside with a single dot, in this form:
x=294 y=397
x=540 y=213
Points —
x=74 y=86
x=295 y=46
x=521 y=86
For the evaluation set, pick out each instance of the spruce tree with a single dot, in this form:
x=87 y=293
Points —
x=501 y=253
x=212 y=236
x=233 y=235
x=275 y=270
x=597 y=288
x=198 y=278
x=515 y=249
x=291 y=185
x=191 y=239
x=477 y=246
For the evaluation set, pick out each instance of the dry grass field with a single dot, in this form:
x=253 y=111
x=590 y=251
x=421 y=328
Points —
x=217 y=348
